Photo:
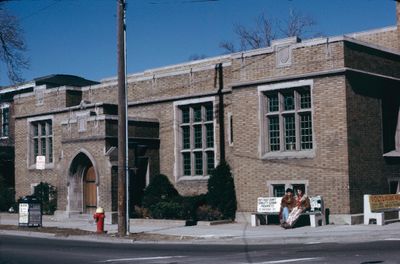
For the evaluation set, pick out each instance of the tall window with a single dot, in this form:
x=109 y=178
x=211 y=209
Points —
x=288 y=119
x=42 y=140
x=5 y=120
x=196 y=133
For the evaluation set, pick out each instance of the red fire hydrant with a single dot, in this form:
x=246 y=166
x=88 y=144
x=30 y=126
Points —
x=99 y=218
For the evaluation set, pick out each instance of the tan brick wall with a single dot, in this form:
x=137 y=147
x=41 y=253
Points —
x=165 y=114
x=63 y=154
x=53 y=99
x=304 y=60
x=107 y=94
x=326 y=173
x=365 y=147
x=25 y=171
x=387 y=38
x=366 y=59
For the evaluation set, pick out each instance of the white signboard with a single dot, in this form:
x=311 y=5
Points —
x=23 y=213
x=40 y=162
x=269 y=204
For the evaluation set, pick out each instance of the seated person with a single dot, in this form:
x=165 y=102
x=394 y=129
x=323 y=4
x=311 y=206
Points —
x=302 y=204
x=287 y=204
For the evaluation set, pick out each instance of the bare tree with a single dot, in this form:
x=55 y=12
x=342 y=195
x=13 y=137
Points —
x=195 y=57
x=266 y=30
x=12 y=46
x=297 y=24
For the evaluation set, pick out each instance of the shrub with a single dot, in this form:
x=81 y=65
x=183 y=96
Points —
x=167 y=210
x=221 y=191
x=190 y=205
x=162 y=200
x=47 y=194
x=6 y=198
x=207 y=213
x=6 y=195
x=160 y=189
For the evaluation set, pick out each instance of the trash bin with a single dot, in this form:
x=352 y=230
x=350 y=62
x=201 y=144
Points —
x=30 y=212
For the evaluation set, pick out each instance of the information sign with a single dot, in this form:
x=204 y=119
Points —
x=384 y=202
x=23 y=213
x=269 y=204
x=40 y=162
x=35 y=214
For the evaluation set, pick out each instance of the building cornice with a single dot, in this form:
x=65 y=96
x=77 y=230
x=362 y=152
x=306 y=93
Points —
x=339 y=71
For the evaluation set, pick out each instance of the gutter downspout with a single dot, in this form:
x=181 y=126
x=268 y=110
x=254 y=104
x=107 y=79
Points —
x=221 y=113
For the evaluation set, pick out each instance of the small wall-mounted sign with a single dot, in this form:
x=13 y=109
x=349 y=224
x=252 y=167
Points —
x=40 y=162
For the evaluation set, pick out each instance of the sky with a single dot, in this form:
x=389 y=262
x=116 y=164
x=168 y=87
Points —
x=79 y=37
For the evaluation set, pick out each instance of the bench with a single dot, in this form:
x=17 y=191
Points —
x=267 y=206
x=375 y=207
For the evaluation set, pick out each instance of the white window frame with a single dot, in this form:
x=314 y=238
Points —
x=2 y=107
x=31 y=159
x=264 y=152
x=178 y=168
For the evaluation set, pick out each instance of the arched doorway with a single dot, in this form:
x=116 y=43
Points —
x=82 y=185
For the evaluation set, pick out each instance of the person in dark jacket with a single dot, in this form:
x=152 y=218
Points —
x=302 y=203
x=287 y=203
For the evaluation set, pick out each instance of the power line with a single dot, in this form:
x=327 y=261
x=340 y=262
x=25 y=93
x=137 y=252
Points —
x=181 y=2
x=40 y=10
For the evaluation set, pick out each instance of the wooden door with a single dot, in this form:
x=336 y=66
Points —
x=90 y=191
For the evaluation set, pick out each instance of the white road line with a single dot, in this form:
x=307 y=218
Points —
x=312 y=243
x=143 y=258
x=287 y=260
x=392 y=239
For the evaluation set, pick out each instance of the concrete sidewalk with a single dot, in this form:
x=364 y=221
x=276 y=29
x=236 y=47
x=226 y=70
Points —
x=235 y=233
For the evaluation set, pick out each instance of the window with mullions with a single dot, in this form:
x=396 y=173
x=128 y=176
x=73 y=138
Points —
x=274 y=134
x=288 y=119
x=278 y=188
x=197 y=137
x=5 y=121
x=42 y=140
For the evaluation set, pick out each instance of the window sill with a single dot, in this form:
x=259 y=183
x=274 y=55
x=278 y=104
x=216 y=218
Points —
x=304 y=154
x=48 y=166
x=193 y=178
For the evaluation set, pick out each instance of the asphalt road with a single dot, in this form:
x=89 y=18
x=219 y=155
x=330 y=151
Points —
x=17 y=249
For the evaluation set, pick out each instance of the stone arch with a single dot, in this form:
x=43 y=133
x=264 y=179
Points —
x=78 y=168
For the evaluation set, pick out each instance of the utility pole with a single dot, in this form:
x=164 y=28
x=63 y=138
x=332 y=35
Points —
x=122 y=152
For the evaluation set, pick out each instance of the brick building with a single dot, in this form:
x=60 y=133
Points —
x=319 y=113
x=7 y=118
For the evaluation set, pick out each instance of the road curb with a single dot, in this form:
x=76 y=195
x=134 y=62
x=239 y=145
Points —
x=27 y=233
